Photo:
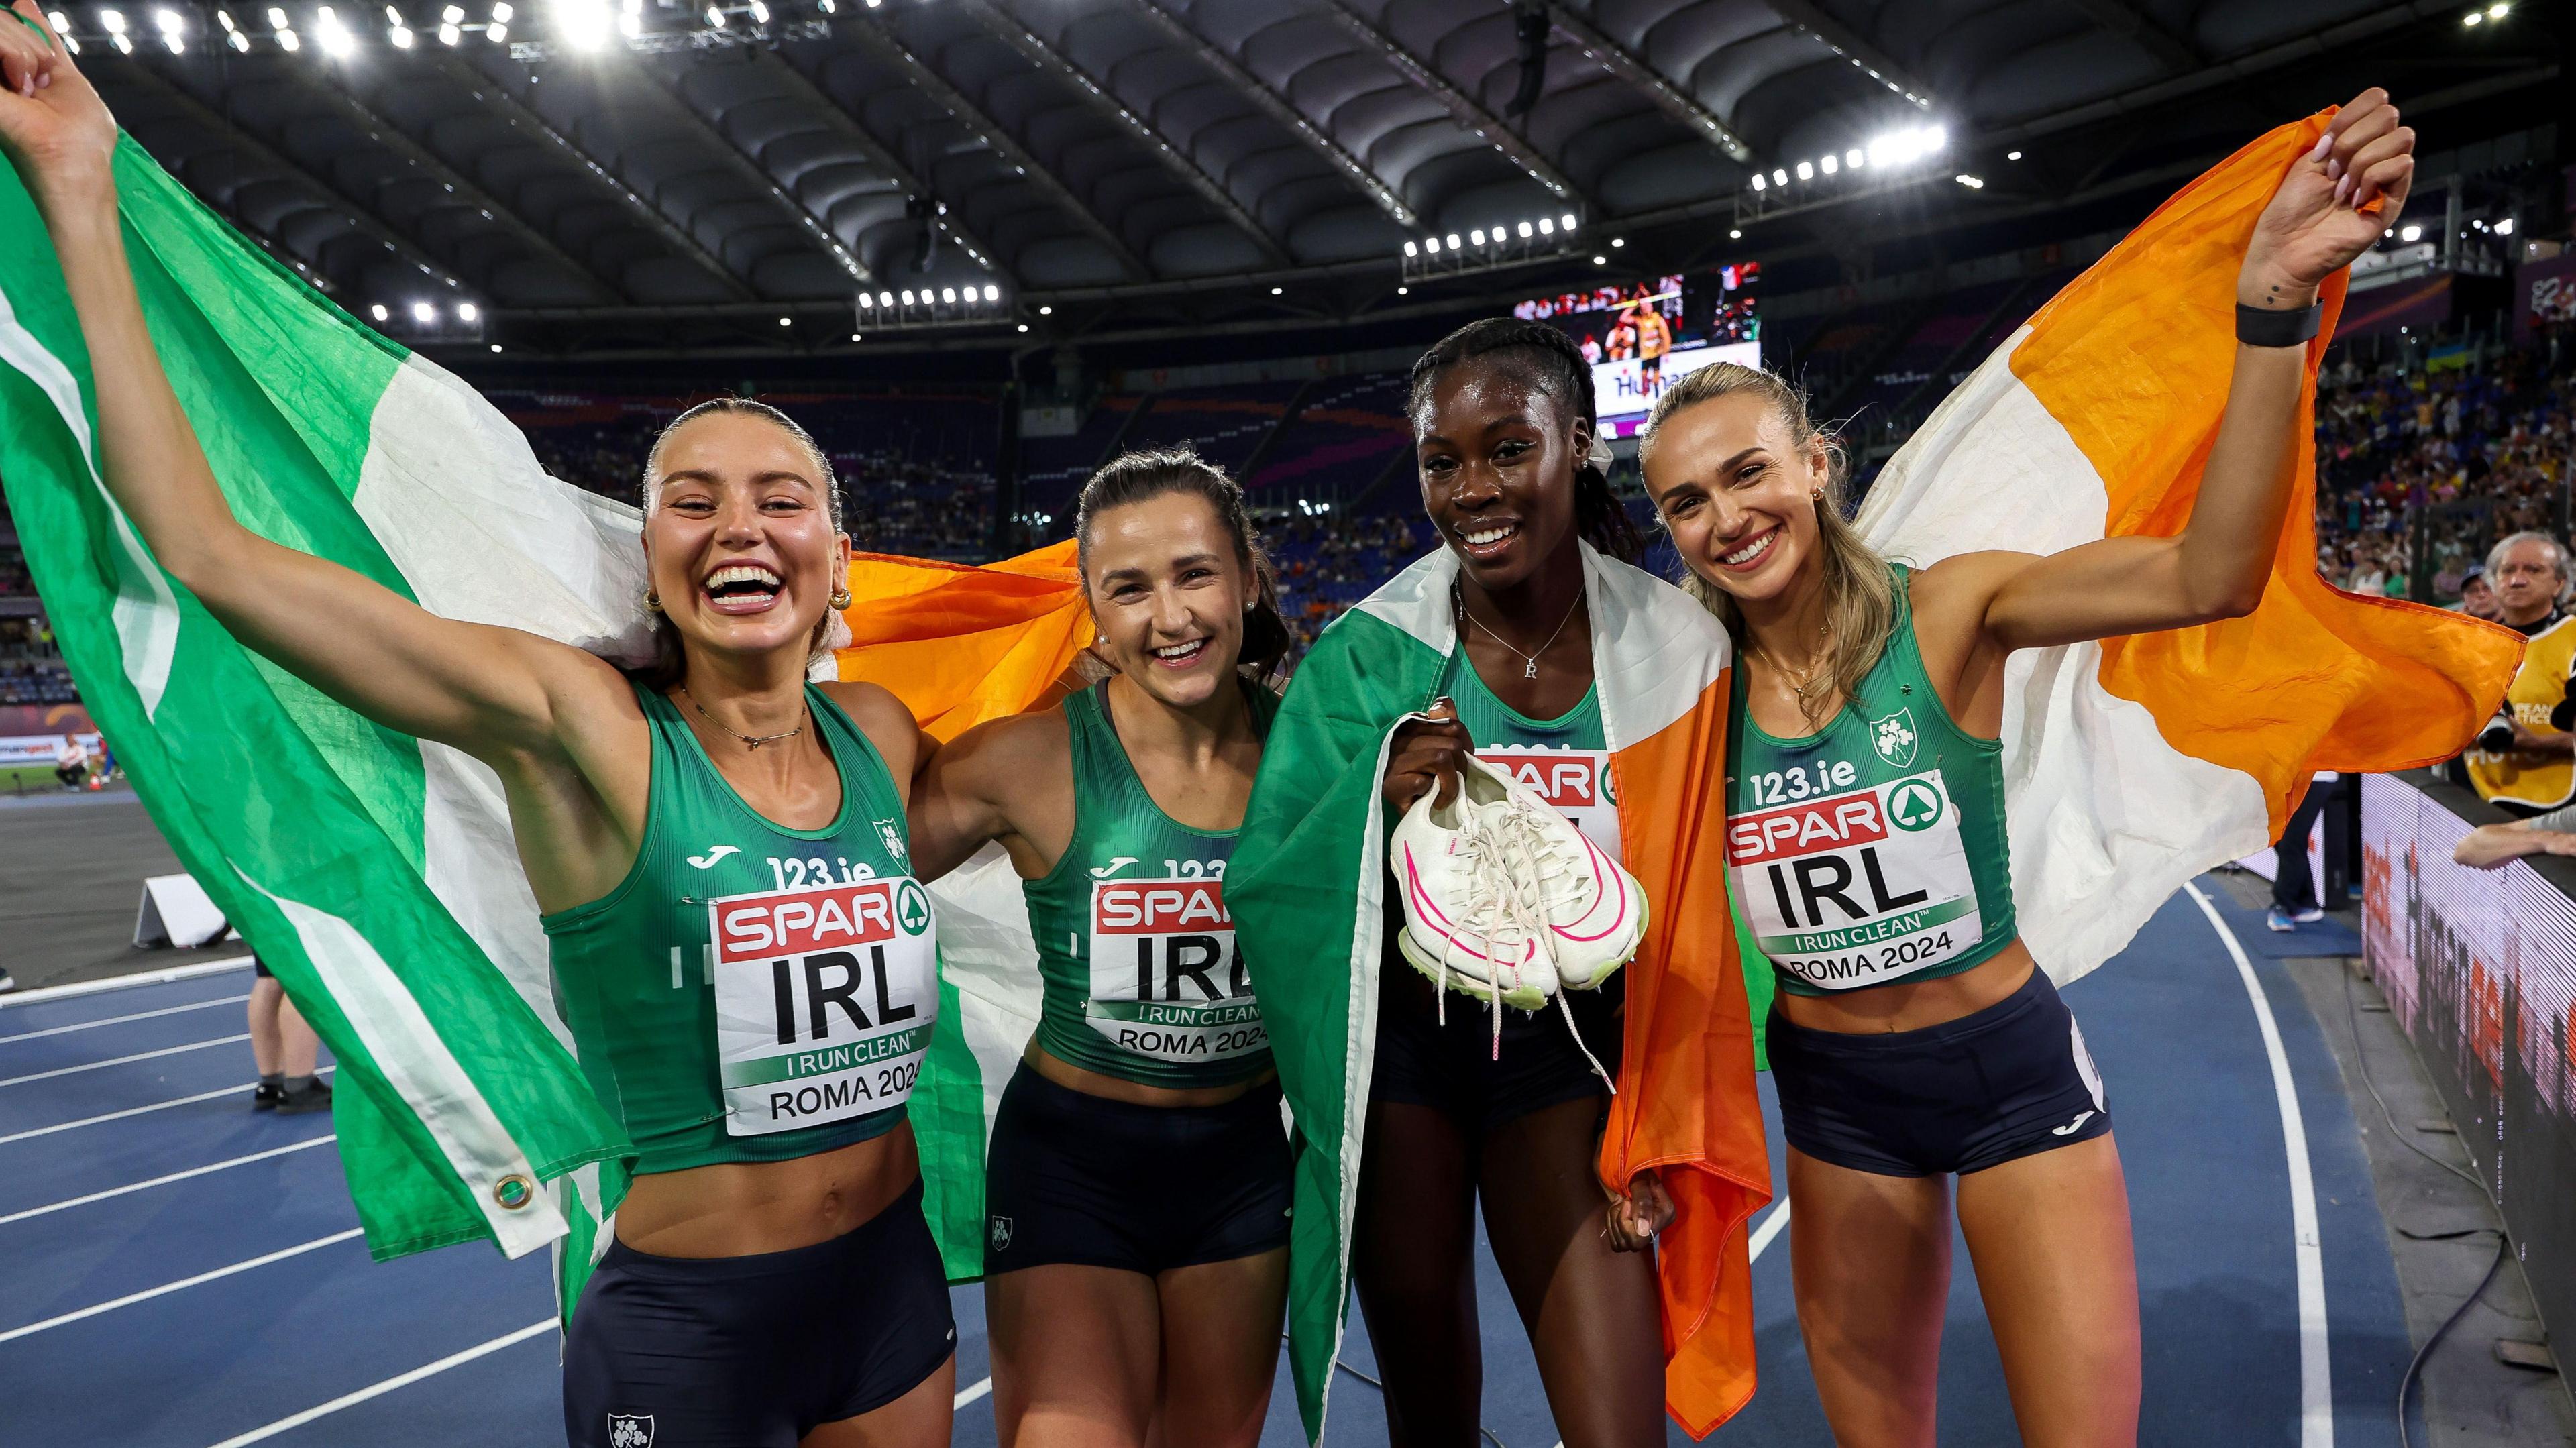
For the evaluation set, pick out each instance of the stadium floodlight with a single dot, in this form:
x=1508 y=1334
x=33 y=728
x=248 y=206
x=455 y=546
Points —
x=2473 y=17
x=1547 y=226
x=2497 y=10
x=2012 y=155
x=783 y=321
x=1450 y=241
x=631 y=25
x=826 y=6
x=453 y=15
x=123 y=45
x=2411 y=233
x=496 y=346
x=1278 y=291
x=1431 y=244
x=496 y=32
x=992 y=293
x=907 y=296
x=1735 y=233
x=423 y=312
x=400 y=35
x=1477 y=236
x=866 y=300
x=948 y=296
x=1023 y=326
x=449 y=34
x=873 y=4
x=1618 y=241
x=1566 y=222
x=62 y=24
x=2504 y=227
x=1806 y=170
x=759 y=13
x=1046 y=311
x=1852 y=158
x=289 y=41
x=1830 y=164
x=1973 y=183
x=583 y=24
x=1600 y=261
x=113 y=20
x=237 y=41
x=1404 y=291
x=1758 y=181
x=224 y=18
x=332 y=35
x=378 y=311
x=1525 y=231
x=1779 y=177
x=467 y=311
x=1412 y=249
x=172 y=30
x=277 y=19
x=885 y=299
x=715 y=18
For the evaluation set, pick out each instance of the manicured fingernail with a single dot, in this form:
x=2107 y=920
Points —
x=2325 y=144
x=2343 y=188
x=2334 y=168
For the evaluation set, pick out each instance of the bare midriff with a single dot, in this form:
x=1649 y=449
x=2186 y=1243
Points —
x=1910 y=1005
x=1096 y=1083
x=743 y=1208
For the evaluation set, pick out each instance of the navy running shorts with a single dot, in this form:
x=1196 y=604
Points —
x=1457 y=1067
x=755 y=1352
x=1080 y=1179
x=2005 y=1082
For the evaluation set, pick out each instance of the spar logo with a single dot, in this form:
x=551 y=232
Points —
x=1158 y=907
x=1914 y=805
x=911 y=909
x=1163 y=940
x=804 y=922
x=1817 y=825
x=1568 y=779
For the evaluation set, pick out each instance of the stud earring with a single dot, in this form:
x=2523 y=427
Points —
x=652 y=601
x=1816 y=495
x=840 y=599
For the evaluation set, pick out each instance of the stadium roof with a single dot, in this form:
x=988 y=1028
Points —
x=593 y=176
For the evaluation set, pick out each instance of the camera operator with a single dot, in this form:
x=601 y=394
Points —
x=2525 y=760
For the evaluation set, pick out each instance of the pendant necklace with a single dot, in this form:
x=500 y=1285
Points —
x=1803 y=685
x=1529 y=661
x=749 y=741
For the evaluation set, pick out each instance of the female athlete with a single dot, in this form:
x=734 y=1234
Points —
x=1503 y=432
x=771 y=1280
x=1137 y=1180
x=1939 y=1050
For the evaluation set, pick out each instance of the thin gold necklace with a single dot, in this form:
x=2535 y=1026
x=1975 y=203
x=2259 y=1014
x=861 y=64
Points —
x=1529 y=661
x=1804 y=685
x=749 y=741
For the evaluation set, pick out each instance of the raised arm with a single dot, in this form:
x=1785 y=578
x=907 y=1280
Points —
x=2217 y=566
x=485 y=690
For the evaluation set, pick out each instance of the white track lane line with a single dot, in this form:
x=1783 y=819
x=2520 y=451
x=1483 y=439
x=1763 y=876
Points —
x=122 y=1060
x=42 y=994
x=2316 y=1376
x=163 y=1181
x=138 y=1110
x=147 y=1294
x=121 y=1020
x=970 y=1393
x=399 y=1380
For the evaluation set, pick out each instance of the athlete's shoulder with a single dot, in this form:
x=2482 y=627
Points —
x=883 y=718
x=1022 y=746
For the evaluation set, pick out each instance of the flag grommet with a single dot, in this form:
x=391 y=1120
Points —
x=514 y=1191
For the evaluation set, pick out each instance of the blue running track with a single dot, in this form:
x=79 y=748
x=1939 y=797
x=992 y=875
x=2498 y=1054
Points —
x=235 y=1303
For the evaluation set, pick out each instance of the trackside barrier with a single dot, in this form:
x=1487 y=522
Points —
x=2479 y=967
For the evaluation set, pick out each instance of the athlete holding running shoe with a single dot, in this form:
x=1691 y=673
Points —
x=1913 y=1038
x=718 y=847
x=1137 y=1179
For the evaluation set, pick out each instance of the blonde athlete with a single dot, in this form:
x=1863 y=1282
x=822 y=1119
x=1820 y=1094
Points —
x=1938 y=1049
x=772 y=1281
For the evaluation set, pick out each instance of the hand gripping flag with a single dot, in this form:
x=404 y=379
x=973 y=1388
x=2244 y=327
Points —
x=1307 y=890
x=376 y=873
x=2133 y=764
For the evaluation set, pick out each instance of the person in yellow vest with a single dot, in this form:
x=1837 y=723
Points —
x=2525 y=762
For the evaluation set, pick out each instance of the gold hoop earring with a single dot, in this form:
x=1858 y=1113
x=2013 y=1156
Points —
x=840 y=600
x=652 y=601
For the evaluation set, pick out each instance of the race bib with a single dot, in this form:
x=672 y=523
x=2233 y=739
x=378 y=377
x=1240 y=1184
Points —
x=824 y=1001
x=1857 y=888
x=1166 y=982
x=1574 y=782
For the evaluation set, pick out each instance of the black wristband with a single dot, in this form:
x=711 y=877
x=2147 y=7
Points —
x=2263 y=327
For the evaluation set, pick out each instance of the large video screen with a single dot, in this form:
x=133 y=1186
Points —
x=1640 y=336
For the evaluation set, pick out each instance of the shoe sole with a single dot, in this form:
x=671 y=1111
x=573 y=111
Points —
x=1527 y=998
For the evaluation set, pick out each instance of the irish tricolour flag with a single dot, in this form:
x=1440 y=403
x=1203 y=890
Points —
x=374 y=872
x=2134 y=764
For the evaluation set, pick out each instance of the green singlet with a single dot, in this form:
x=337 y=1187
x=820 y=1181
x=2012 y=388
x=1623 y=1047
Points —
x=1873 y=850
x=1565 y=760
x=750 y=992
x=1136 y=950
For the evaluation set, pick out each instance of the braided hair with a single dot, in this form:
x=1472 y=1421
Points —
x=1546 y=360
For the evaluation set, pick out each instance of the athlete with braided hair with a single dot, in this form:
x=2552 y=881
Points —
x=1515 y=479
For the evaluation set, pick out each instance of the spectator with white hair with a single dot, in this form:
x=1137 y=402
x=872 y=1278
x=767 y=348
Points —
x=2525 y=762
